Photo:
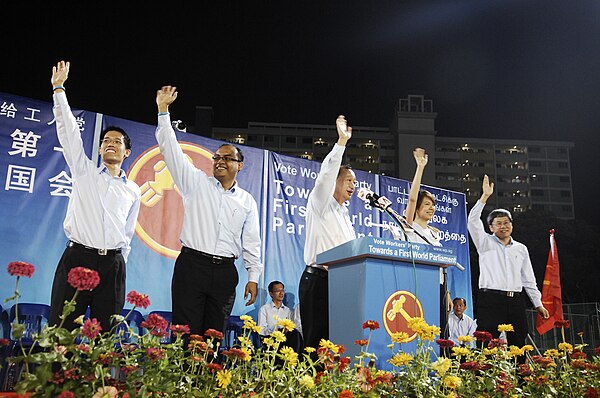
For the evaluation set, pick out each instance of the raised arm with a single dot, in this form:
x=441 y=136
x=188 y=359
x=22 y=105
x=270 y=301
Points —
x=474 y=223
x=325 y=183
x=421 y=159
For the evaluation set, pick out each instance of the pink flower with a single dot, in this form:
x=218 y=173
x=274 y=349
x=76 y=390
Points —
x=91 y=328
x=66 y=394
x=138 y=299
x=83 y=278
x=21 y=268
x=373 y=325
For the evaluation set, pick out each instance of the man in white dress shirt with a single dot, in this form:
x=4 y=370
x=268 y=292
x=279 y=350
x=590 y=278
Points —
x=459 y=323
x=271 y=313
x=100 y=219
x=504 y=271
x=220 y=224
x=327 y=225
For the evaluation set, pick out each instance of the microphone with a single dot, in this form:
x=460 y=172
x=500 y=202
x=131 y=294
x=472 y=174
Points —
x=370 y=197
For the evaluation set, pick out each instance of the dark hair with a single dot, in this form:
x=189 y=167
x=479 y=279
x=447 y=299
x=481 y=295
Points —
x=422 y=195
x=239 y=151
x=126 y=138
x=344 y=167
x=272 y=285
x=498 y=213
x=460 y=299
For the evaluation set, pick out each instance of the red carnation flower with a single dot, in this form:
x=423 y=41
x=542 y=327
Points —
x=91 y=328
x=346 y=393
x=344 y=362
x=155 y=322
x=66 y=394
x=215 y=334
x=155 y=353
x=4 y=342
x=373 y=325
x=83 y=278
x=496 y=343
x=180 y=329
x=561 y=323
x=444 y=343
x=21 y=268
x=470 y=365
x=213 y=367
x=362 y=342
x=591 y=393
x=138 y=299
x=481 y=335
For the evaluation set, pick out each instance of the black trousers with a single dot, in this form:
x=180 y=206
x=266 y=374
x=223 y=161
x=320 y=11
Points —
x=494 y=309
x=202 y=292
x=314 y=307
x=105 y=300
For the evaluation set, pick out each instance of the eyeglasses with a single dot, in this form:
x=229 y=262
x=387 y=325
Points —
x=116 y=141
x=502 y=224
x=218 y=158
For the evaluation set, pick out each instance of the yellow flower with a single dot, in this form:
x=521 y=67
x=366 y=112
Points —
x=287 y=324
x=269 y=342
x=309 y=349
x=514 y=351
x=527 y=348
x=289 y=356
x=307 y=381
x=490 y=351
x=223 y=378
x=456 y=351
x=416 y=324
x=329 y=345
x=506 y=327
x=245 y=341
x=400 y=359
x=400 y=337
x=256 y=329
x=552 y=353
x=465 y=339
x=246 y=318
x=248 y=353
x=452 y=381
x=428 y=333
x=441 y=365
x=566 y=347
x=79 y=320
x=278 y=336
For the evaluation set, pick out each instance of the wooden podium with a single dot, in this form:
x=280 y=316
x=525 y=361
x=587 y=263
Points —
x=388 y=281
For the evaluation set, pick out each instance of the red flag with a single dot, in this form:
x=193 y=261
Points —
x=551 y=293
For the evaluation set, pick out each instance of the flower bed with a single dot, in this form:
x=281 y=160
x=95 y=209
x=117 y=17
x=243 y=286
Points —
x=89 y=363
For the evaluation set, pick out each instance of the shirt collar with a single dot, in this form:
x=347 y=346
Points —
x=510 y=243
x=104 y=169
x=220 y=186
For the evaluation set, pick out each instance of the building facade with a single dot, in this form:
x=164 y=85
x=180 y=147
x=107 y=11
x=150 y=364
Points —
x=527 y=174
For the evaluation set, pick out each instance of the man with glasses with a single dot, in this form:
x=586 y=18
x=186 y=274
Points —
x=271 y=313
x=504 y=271
x=101 y=216
x=220 y=224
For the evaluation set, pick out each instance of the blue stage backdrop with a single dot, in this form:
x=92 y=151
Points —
x=37 y=184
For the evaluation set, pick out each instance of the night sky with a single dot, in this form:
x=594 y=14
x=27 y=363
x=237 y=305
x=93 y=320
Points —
x=495 y=69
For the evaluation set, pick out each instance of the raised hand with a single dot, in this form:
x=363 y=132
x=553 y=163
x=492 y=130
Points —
x=165 y=97
x=344 y=132
x=60 y=73
x=420 y=157
x=487 y=187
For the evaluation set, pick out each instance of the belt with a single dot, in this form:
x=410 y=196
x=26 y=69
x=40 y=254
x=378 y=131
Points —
x=101 y=252
x=316 y=271
x=213 y=259
x=501 y=292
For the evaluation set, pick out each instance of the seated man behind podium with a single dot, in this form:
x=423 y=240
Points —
x=271 y=313
x=459 y=323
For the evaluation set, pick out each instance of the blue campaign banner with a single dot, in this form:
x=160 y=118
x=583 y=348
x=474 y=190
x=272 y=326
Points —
x=450 y=218
x=37 y=185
